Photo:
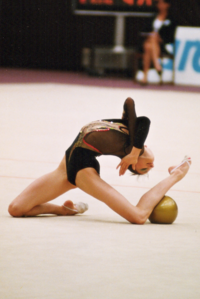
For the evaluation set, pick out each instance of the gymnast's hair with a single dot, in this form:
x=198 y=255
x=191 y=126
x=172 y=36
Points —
x=134 y=172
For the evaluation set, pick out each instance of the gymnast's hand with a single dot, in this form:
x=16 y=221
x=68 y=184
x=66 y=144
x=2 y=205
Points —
x=125 y=162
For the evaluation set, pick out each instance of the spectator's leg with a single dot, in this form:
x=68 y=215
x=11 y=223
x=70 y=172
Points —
x=155 y=47
x=147 y=57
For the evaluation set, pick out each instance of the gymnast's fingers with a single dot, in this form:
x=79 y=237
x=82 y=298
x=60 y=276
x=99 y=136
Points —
x=122 y=170
x=118 y=165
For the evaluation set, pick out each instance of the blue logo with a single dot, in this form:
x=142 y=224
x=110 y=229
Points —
x=188 y=47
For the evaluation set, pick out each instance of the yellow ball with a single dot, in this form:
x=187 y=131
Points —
x=165 y=212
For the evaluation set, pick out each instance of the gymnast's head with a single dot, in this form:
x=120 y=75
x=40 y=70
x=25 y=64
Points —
x=145 y=162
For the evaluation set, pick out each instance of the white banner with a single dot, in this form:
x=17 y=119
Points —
x=187 y=56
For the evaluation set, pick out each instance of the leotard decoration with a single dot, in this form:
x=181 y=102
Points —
x=97 y=126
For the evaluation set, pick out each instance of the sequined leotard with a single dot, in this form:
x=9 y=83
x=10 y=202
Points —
x=106 y=137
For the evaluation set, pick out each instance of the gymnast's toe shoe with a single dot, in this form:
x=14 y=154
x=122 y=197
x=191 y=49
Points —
x=81 y=207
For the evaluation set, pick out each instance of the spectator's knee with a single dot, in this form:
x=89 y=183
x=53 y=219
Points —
x=147 y=46
x=15 y=210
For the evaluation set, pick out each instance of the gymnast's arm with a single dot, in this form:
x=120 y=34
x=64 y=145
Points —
x=138 y=130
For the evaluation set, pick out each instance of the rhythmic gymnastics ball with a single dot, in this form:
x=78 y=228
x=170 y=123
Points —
x=165 y=212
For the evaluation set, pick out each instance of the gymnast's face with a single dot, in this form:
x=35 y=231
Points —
x=145 y=161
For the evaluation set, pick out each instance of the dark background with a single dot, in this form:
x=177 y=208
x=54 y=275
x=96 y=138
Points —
x=45 y=34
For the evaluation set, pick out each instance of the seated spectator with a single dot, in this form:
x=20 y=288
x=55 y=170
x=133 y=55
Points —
x=162 y=33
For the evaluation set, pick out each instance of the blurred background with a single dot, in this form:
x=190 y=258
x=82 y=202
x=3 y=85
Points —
x=45 y=34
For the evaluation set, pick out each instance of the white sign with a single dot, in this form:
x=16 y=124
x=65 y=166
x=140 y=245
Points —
x=187 y=56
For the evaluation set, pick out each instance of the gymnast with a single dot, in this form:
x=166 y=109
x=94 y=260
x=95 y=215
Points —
x=79 y=168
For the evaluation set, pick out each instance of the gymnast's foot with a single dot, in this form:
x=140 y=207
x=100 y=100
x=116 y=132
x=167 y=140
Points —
x=69 y=208
x=180 y=170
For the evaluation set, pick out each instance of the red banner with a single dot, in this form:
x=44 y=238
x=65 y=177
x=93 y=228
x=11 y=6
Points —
x=117 y=2
x=138 y=2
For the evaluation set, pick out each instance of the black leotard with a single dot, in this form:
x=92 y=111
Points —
x=114 y=137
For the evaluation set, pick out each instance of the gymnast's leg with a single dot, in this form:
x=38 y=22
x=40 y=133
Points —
x=33 y=200
x=89 y=181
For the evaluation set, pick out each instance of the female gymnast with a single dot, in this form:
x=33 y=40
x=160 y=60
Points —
x=123 y=138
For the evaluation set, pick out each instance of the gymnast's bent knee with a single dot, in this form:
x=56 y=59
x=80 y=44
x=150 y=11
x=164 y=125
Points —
x=15 y=210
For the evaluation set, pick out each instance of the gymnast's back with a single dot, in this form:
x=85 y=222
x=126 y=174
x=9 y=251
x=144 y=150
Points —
x=116 y=136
